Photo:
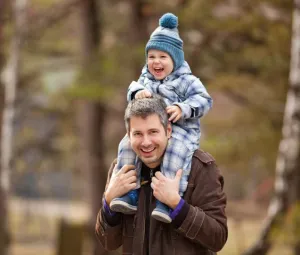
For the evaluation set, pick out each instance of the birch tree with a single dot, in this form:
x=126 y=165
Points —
x=10 y=79
x=287 y=191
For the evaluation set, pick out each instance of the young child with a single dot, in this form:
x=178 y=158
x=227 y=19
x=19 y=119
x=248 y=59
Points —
x=167 y=74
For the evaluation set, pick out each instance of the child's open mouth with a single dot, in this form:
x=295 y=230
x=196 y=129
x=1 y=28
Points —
x=158 y=70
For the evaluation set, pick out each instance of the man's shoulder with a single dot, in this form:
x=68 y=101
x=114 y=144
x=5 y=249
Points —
x=203 y=167
x=203 y=156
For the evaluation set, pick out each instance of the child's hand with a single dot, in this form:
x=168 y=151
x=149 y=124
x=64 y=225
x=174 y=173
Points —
x=175 y=112
x=142 y=94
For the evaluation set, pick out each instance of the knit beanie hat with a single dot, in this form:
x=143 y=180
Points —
x=166 y=38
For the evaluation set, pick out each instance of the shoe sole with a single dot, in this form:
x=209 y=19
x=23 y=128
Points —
x=161 y=217
x=122 y=207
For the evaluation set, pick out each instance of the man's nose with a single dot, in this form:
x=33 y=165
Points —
x=146 y=141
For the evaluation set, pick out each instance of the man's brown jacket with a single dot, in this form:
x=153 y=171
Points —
x=203 y=231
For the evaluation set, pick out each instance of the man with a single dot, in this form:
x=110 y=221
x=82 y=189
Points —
x=199 y=223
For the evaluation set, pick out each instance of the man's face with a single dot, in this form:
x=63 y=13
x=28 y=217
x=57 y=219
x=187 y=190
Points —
x=149 y=139
x=160 y=64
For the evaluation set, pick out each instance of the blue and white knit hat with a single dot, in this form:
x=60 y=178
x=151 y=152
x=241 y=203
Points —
x=166 y=38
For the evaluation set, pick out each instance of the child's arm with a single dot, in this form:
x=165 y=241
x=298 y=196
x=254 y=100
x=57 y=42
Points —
x=134 y=87
x=197 y=103
x=142 y=94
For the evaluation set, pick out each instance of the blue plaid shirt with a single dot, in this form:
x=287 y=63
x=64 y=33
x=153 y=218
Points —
x=183 y=89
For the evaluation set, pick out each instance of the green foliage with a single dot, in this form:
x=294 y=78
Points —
x=88 y=84
x=89 y=91
x=242 y=55
x=101 y=79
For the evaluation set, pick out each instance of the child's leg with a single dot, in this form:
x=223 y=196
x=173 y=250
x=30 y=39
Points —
x=177 y=156
x=126 y=156
x=186 y=173
x=126 y=204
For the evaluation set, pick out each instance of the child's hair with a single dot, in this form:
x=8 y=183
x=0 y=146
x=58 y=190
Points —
x=166 y=38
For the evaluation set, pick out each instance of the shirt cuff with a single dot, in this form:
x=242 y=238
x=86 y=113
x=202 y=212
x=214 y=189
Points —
x=107 y=209
x=186 y=110
x=179 y=214
x=174 y=213
x=111 y=217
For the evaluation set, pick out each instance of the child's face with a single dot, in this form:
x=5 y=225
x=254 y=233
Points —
x=160 y=64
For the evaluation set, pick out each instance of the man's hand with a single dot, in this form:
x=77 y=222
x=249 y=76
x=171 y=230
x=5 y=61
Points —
x=165 y=189
x=142 y=94
x=175 y=112
x=121 y=183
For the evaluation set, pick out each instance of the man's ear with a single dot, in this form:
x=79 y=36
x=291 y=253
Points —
x=169 y=130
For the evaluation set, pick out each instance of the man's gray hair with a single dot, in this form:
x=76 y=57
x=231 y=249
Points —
x=146 y=107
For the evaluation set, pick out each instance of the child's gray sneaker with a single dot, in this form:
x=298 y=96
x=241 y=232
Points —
x=126 y=204
x=161 y=212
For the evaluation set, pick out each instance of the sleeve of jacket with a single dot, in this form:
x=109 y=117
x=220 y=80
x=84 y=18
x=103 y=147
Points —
x=134 y=87
x=197 y=103
x=110 y=237
x=206 y=221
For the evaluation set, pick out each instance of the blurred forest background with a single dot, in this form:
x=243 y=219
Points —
x=65 y=69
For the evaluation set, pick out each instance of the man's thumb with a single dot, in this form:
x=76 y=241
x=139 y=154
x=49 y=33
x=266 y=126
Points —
x=178 y=174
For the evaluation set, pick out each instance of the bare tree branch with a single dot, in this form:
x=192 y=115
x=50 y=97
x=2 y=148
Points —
x=50 y=17
x=260 y=105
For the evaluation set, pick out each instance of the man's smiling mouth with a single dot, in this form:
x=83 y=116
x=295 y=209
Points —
x=148 y=150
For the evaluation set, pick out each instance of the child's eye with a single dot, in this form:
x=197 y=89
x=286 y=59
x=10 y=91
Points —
x=151 y=57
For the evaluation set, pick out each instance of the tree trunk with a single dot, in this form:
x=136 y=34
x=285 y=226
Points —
x=3 y=204
x=138 y=33
x=91 y=117
x=288 y=160
x=10 y=80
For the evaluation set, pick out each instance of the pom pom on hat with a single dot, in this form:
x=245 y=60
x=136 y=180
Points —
x=166 y=38
x=168 y=20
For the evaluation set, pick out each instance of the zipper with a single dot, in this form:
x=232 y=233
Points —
x=151 y=174
x=149 y=211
